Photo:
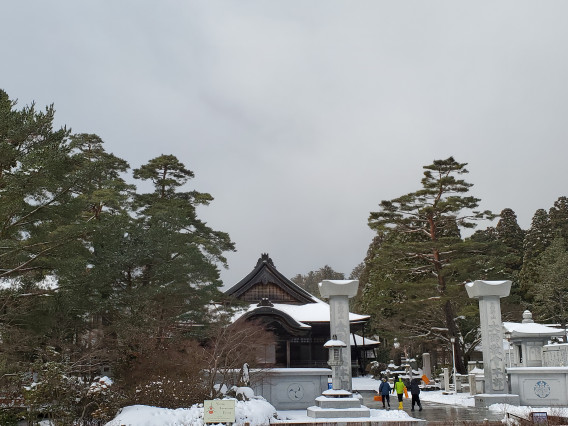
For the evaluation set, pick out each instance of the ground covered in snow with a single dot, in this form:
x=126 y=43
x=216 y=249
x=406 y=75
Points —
x=255 y=412
x=258 y=412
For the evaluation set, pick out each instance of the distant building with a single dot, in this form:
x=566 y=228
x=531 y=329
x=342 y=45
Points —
x=299 y=320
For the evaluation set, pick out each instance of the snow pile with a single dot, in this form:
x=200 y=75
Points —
x=256 y=412
x=525 y=410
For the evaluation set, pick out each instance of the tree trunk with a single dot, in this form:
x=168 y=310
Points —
x=453 y=331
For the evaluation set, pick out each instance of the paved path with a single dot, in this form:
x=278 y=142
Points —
x=434 y=412
x=439 y=413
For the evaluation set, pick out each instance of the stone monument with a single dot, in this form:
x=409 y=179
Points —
x=426 y=365
x=339 y=402
x=489 y=294
x=338 y=292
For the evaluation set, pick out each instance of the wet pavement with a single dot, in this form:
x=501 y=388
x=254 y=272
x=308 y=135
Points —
x=435 y=413
x=441 y=413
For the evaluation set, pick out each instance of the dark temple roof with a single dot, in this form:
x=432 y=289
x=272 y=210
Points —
x=265 y=282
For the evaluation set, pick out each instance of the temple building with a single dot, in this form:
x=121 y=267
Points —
x=299 y=320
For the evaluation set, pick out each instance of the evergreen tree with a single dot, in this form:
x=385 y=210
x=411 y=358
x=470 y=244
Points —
x=551 y=292
x=357 y=271
x=37 y=182
x=310 y=281
x=413 y=269
x=509 y=253
x=558 y=215
x=55 y=188
x=509 y=231
x=130 y=269
x=537 y=239
x=175 y=275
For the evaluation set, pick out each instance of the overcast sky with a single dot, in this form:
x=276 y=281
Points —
x=299 y=117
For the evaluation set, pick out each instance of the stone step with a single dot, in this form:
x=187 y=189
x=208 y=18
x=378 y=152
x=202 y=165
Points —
x=338 y=413
x=324 y=402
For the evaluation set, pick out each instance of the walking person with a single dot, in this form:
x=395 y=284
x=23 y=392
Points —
x=399 y=389
x=384 y=390
x=415 y=392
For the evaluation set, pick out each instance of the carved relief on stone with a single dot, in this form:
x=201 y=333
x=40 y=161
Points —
x=495 y=338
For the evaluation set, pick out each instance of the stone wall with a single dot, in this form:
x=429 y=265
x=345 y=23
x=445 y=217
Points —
x=540 y=386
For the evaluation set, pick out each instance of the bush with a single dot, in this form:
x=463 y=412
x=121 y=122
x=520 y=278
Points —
x=64 y=398
x=168 y=377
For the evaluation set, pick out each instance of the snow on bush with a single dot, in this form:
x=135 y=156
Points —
x=256 y=412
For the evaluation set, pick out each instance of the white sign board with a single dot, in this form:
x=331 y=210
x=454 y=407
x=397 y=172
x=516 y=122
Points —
x=219 y=411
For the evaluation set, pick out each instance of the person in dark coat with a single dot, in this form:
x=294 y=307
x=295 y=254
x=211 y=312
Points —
x=384 y=390
x=415 y=392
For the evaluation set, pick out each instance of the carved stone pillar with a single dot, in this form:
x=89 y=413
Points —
x=339 y=292
x=489 y=293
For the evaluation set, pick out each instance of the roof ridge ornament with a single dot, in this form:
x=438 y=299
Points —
x=265 y=258
x=265 y=302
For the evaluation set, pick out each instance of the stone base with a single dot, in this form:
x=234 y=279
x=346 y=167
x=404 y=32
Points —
x=337 y=393
x=324 y=402
x=338 y=413
x=338 y=406
x=487 y=399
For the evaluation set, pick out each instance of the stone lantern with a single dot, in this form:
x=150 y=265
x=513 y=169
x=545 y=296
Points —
x=335 y=359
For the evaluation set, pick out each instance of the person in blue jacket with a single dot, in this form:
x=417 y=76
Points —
x=384 y=390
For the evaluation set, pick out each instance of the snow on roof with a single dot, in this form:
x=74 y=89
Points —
x=308 y=313
x=334 y=343
x=531 y=329
x=359 y=340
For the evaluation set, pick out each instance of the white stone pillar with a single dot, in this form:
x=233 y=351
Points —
x=339 y=292
x=489 y=293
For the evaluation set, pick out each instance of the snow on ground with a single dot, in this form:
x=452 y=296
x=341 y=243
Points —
x=259 y=412
x=365 y=383
x=255 y=412
x=301 y=416
x=463 y=399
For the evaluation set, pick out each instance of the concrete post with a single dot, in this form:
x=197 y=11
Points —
x=489 y=293
x=339 y=292
x=446 y=379
x=426 y=365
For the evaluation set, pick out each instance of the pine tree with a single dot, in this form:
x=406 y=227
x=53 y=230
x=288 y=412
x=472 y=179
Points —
x=420 y=231
x=130 y=269
x=55 y=189
x=174 y=275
